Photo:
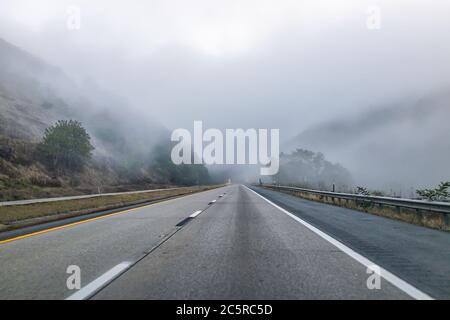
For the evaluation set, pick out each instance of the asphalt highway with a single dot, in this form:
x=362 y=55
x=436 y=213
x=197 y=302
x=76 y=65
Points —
x=230 y=243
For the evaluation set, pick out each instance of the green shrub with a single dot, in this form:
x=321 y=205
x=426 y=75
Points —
x=439 y=193
x=65 y=146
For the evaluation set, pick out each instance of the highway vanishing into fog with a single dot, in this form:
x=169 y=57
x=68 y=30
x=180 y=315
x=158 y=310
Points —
x=234 y=242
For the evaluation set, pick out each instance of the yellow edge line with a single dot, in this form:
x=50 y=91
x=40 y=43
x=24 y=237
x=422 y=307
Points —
x=80 y=222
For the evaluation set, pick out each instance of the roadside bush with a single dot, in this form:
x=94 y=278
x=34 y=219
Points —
x=65 y=146
x=438 y=194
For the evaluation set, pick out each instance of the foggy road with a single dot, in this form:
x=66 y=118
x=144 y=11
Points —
x=230 y=243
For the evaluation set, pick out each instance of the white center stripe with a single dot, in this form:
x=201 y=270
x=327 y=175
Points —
x=100 y=282
x=196 y=213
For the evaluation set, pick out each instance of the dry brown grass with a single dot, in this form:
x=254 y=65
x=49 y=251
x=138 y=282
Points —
x=10 y=215
x=428 y=219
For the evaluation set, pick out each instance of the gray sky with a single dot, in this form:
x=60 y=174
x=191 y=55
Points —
x=255 y=63
x=236 y=63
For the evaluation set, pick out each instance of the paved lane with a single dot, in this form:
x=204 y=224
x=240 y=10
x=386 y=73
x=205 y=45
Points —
x=35 y=267
x=243 y=248
x=419 y=255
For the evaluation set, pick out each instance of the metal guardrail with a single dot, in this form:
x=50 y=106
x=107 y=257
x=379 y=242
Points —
x=86 y=196
x=433 y=206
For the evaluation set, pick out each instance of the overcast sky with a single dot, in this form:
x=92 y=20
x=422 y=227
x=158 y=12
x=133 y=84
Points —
x=257 y=63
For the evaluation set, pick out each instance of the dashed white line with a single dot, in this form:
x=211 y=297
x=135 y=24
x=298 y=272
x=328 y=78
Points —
x=90 y=289
x=93 y=287
x=393 y=279
x=196 y=213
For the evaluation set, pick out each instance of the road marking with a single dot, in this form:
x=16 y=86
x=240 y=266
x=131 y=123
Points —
x=100 y=282
x=393 y=279
x=93 y=219
x=77 y=223
x=196 y=213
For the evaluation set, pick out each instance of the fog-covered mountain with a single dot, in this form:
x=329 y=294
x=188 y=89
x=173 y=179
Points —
x=35 y=95
x=401 y=146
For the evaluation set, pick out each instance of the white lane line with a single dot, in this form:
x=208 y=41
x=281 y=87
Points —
x=88 y=290
x=393 y=279
x=196 y=213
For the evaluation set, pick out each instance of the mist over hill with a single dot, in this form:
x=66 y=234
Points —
x=34 y=95
x=400 y=146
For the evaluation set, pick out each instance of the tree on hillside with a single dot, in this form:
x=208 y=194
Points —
x=66 y=146
x=310 y=169
x=165 y=171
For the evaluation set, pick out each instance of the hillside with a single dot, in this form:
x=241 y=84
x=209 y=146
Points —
x=375 y=144
x=33 y=96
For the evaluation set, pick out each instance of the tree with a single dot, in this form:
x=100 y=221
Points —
x=362 y=191
x=66 y=146
x=165 y=171
x=439 y=193
x=309 y=169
